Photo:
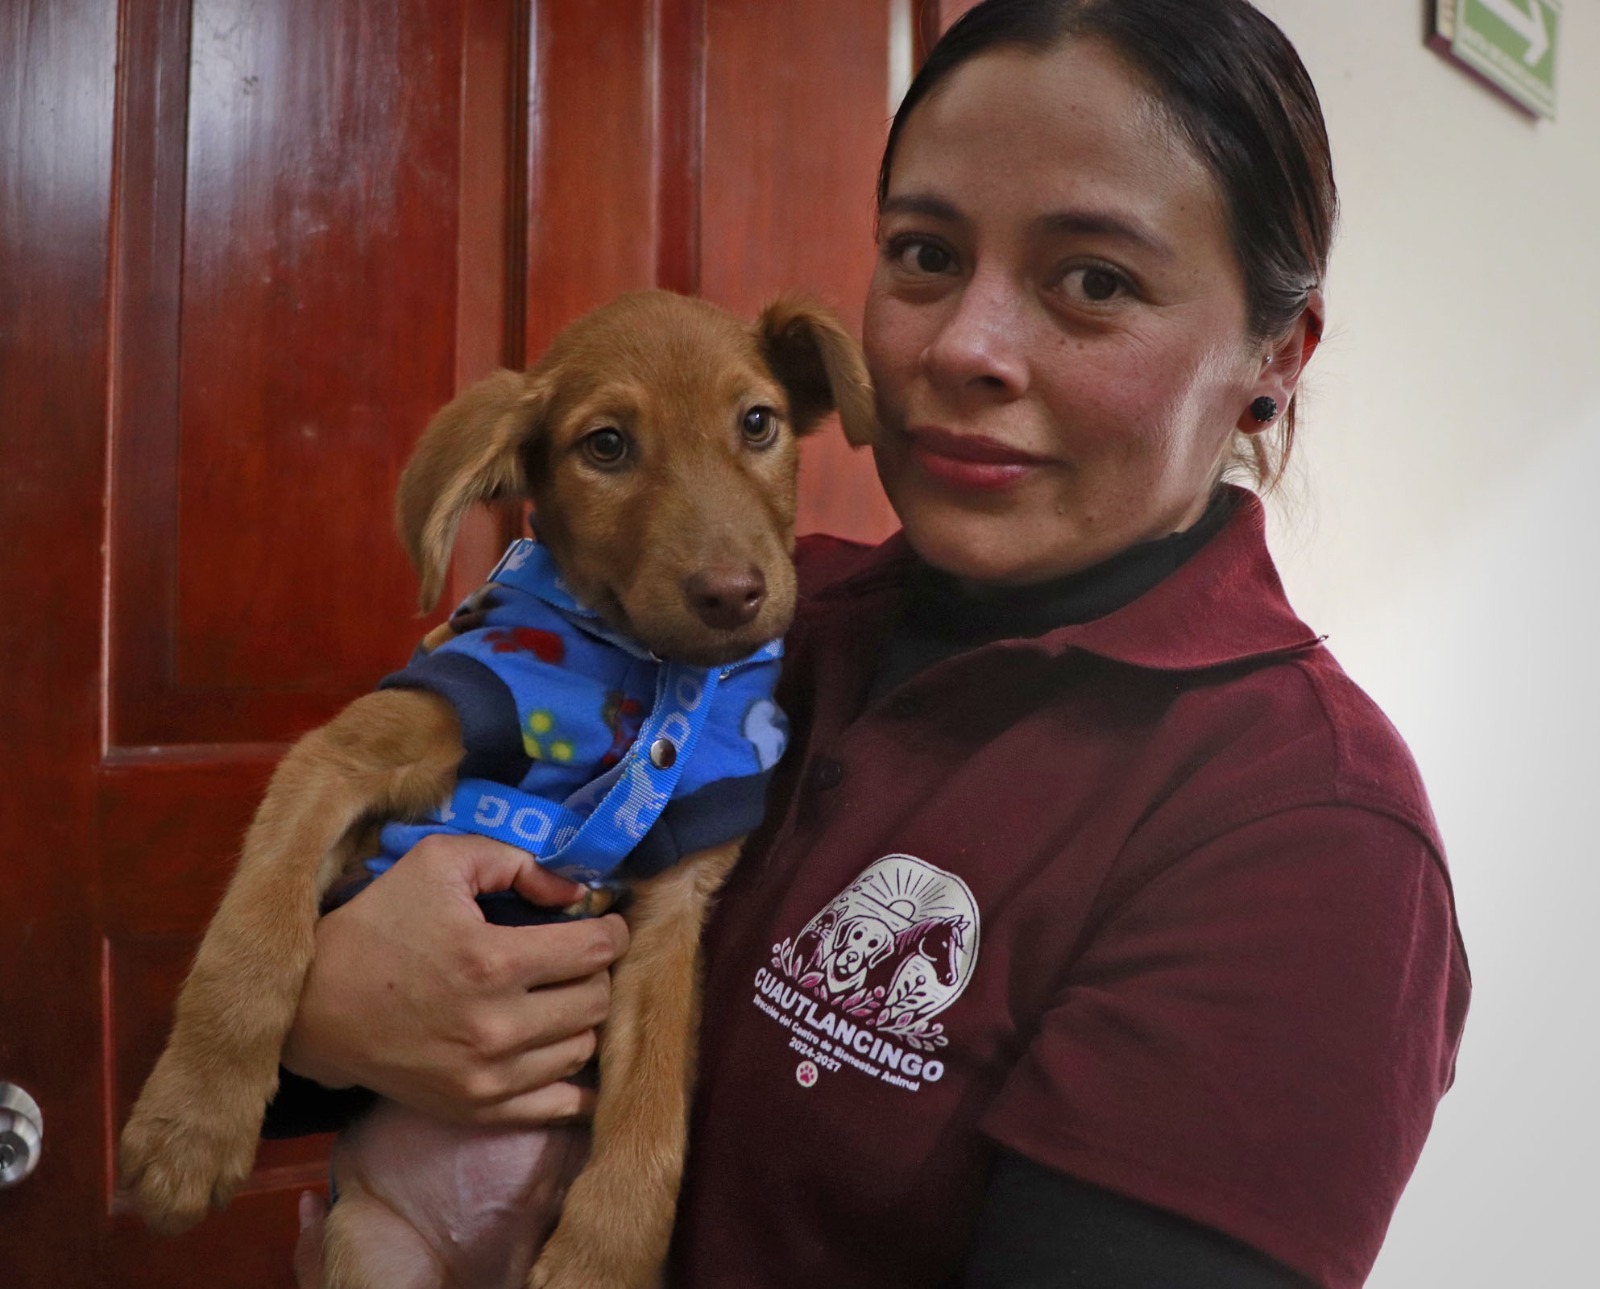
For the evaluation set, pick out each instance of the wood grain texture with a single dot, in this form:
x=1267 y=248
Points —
x=56 y=115
x=300 y=193
x=790 y=158
x=592 y=226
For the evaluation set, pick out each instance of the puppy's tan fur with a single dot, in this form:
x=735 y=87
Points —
x=677 y=377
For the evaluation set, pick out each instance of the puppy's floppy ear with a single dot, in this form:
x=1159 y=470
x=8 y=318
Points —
x=820 y=364
x=469 y=453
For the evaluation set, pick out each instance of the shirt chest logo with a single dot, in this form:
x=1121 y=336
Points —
x=861 y=983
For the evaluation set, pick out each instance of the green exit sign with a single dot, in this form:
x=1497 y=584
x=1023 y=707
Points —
x=1511 y=43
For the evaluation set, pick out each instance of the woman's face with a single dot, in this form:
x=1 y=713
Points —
x=1056 y=323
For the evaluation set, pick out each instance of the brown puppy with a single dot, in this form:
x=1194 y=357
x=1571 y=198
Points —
x=656 y=440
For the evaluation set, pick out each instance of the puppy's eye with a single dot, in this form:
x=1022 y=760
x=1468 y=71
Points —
x=760 y=427
x=606 y=446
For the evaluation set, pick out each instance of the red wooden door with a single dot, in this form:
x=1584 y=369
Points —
x=245 y=250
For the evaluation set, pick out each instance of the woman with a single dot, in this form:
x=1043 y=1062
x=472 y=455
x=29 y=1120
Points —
x=1099 y=932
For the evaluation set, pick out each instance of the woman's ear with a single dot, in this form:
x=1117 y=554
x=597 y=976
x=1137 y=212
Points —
x=820 y=365
x=470 y=452
x=1283 y=364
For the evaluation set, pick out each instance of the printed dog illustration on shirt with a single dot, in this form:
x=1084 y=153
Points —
x=859 y=944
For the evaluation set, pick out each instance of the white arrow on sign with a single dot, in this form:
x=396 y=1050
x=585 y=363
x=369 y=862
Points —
x=1527 y=23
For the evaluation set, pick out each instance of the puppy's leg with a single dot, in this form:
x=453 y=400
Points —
x=617 y=1219
x=192 y=1136
x=368 y=1245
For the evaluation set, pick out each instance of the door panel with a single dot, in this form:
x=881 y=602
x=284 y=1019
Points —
x=301 y=194
x=322 y=176
x=593 y=228
x=248 y=250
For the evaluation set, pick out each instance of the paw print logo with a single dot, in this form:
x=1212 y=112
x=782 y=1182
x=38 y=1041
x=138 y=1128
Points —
x=767 y=728
x=806 y=1074
x=537 y=740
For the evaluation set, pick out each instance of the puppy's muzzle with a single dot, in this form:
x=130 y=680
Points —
x=726 y=599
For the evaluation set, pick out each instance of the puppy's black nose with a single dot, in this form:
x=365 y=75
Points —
x=726 y=598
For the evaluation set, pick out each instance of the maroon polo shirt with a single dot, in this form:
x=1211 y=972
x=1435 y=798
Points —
x=1156 y=901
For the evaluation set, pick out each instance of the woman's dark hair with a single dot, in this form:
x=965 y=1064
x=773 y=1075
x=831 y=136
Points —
x=1233 y=83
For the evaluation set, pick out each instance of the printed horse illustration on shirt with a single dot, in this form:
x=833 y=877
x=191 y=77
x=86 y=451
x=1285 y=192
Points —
x=923 y=954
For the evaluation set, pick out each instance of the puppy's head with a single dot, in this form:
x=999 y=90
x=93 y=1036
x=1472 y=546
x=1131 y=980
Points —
x=657 y=440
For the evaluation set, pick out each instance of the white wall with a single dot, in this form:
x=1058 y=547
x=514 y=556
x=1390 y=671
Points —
x=1446 y=537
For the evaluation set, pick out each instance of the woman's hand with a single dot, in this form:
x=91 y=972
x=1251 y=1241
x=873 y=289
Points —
x=308 y=1245
x=412 y=994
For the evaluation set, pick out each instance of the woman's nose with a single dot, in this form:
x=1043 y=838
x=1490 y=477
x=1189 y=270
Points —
x=980 y=344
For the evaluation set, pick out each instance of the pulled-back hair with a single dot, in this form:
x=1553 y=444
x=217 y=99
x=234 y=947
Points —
x=1232 y=82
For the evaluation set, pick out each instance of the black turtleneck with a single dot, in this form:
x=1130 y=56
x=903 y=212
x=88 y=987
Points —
x=942 y=618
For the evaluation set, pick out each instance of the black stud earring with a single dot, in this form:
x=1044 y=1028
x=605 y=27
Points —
x=1264 y=408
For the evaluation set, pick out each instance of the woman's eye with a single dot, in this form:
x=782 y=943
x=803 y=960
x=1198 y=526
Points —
x=605 y=446
x=1095 y=283
x=916 y=255
x=760 y=427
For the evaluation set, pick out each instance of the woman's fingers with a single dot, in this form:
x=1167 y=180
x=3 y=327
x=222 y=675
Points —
x=532 y=1088
x=556 y=1013
x=534 y=957
x=526 y=1089
x=481 y=865
x=556 y=1103
x=308 y=1246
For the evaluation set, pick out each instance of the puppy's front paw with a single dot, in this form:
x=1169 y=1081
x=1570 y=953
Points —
x=614 y=1254
x=184 y=1152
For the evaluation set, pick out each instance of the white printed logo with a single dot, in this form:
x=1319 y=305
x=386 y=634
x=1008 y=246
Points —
x=768 y=731
x=862 y=981
x=643 y=803
x=529 y=823
x=520 y=553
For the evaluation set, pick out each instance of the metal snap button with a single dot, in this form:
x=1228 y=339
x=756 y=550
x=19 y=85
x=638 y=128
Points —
x=827 y=774
x=663 y=752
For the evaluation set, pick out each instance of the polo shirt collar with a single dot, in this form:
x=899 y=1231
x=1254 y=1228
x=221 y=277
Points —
x=1223 y=605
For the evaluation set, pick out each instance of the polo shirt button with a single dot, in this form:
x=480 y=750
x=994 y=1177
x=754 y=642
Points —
x=905 y=705
x=826 y=774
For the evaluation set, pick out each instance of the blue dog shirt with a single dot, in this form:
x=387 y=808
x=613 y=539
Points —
x=581 y=746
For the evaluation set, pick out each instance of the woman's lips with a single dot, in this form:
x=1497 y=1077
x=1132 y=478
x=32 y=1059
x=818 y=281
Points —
x=970 y=460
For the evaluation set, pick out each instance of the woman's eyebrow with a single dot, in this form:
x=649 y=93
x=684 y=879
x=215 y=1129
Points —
x=916 y=203
x=1096 y=223
x=1079 y=223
